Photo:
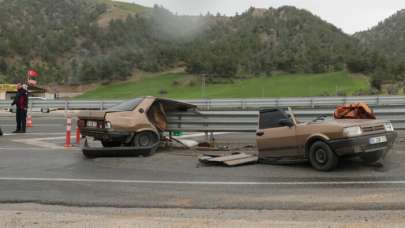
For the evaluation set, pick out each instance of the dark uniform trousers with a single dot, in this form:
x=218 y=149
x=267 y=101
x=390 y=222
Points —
x=21 y=117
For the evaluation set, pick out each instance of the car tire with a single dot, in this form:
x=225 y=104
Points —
x=109 y=144
x=147 y=139
x=371 y=157
x=322 y=157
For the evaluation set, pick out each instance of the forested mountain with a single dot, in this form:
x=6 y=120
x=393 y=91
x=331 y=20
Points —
x=83 y=41
x=262 y=41
x=388 y=36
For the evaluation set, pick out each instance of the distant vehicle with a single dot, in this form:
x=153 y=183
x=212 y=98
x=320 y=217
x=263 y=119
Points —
x=129 y=127
x=33 y=99
x=322 y=142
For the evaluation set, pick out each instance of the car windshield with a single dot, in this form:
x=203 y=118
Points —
x=126 y=106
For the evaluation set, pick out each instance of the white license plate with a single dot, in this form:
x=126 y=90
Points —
x=91 y=124
x=376 y=140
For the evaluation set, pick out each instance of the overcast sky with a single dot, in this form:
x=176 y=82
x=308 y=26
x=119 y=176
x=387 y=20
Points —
x=349 y=15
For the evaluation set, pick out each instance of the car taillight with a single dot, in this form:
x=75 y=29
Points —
x=100 y=124
x=81 y=123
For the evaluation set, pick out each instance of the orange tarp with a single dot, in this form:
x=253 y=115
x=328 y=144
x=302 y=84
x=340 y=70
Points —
x=354 y=111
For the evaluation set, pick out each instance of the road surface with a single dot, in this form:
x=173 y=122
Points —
x=36 y=168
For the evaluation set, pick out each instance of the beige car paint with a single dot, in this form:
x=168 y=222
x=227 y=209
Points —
x=135 y=120
x=148 y=115
x=292 y=141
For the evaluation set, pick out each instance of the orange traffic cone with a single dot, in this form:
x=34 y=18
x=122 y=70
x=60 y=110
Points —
x=29 y=121
x=77 y=135
x=68 y=129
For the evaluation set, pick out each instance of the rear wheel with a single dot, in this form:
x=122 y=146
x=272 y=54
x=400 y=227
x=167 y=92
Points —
x=371 y=157
x=322 y=157
x=147 y=139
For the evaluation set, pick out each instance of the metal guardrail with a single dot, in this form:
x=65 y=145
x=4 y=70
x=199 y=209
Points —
x=385 y=107
x=227 y=104
x=247 y=121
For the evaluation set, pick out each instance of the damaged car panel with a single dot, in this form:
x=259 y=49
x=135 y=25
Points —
x=321 y=141
x=134 y=124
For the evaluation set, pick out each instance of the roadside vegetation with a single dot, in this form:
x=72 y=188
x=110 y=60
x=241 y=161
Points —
x=80 y=42
x=186 y=86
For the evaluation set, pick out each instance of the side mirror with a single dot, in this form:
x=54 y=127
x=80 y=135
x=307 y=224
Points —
x=285 y=122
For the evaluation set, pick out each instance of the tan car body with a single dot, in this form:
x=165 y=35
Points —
x=294 y=141
x=133 y=121
x=149 y=115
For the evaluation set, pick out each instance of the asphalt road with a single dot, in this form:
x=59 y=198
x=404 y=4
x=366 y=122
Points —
x=34 y=167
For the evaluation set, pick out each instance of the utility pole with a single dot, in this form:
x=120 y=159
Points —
x=203 y=86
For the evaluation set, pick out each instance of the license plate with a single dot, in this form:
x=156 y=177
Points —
x=376 y=140
x=91 y=124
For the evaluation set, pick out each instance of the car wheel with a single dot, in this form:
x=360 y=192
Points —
x=371 y=157
x=147 y=139
x=111 y=143
x=322 y=157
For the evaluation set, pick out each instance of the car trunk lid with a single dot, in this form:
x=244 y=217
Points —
x=92 y=115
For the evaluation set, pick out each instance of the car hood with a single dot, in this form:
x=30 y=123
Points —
x=353 y=122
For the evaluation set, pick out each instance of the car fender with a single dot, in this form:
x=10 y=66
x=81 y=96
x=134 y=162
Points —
x=148 y=129
x=312 y=138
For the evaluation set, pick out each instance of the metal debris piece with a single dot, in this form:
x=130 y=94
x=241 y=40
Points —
x=234 y=159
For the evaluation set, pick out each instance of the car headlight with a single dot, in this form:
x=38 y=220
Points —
x=388 y=127
x=352 y=131
x=107 y=125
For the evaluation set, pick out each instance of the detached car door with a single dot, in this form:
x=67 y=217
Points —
x=276 y=135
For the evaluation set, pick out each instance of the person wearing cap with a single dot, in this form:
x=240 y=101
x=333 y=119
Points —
x=21 y=102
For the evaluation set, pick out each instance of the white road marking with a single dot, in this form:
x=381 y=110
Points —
x=33 y=148
x=73 y=180
x=41 y=142
x=35 y=133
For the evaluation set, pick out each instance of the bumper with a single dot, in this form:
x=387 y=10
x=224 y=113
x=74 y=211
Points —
x=360 y=144
x=94 y=152
x=104 y=134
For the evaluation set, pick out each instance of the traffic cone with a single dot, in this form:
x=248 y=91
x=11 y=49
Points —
x=29 y=121
x=68 y=129
x=77 y=135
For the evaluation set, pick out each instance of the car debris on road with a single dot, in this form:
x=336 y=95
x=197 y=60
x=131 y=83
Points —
x=234 y=159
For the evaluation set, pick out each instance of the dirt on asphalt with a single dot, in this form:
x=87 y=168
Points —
x=44 y=216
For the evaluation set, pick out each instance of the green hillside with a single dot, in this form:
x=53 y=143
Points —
x=119 y=10
x=182 y=85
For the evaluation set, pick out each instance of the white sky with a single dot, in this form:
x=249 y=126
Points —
x=349 y=15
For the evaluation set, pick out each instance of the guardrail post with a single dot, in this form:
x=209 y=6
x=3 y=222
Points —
x=66 y=105
x=312 y=102
x=101 y=105
x=179 y=123
x=378 y=100
x=212 y=139
x=277 y=102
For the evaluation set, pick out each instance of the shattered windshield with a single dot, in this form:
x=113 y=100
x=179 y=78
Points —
x=126 y=106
